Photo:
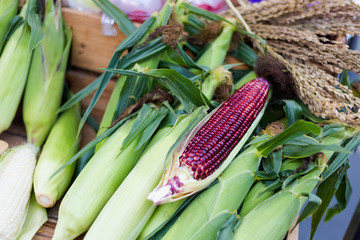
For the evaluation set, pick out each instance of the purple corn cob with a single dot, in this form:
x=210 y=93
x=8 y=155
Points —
x=209 y=146
x=217 y=138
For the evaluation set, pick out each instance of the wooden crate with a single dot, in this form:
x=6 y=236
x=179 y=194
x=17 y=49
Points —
x=90 y=48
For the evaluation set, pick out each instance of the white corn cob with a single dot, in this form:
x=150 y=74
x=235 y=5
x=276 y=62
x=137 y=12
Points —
x=16 y=172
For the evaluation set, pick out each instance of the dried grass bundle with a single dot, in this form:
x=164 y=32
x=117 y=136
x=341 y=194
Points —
x=295 y=32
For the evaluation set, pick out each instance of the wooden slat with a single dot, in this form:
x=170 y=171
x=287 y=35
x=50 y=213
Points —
x=90 y=48
x=78 y=79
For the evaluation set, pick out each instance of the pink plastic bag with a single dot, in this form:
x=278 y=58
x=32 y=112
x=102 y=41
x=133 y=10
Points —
x=214 y=6
x=137 y=11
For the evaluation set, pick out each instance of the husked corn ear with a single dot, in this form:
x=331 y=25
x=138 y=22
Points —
x=14 y=66
x=16 y=172
x=45 y=83
x=128 y=210
x=212 y=145
x=8 y=9
x=215 y=140
x=60 y=146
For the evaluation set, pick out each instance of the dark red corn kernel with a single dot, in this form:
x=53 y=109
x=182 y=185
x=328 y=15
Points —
x=222 y=132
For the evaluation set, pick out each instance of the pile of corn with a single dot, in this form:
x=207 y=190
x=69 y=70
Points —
x=188 y=148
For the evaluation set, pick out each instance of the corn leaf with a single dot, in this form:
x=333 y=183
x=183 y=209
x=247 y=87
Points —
x=306 y=112
x=132 y=89
x=245 y=54
x=261 y=175
x=194 y=48
x=342 y=194
x=257 y=139
x=303 y=151
x=325 y=191
x=342 y=157
x=227 y=231
x=302 y=140
x=295 y=176
x=144 y=120
x=150 y=130
x=273 y=162
x=83 y=160
x=115 y=59
x=330 y=129
x=183 y=71
x=153 y=48
x=183 y=88
x=16 y=22
x=312 y=205
x=271 y=186
x=190 y=63
x=167 y=14
x=299 y=128
x=271 y=166
x=142 y=53
x=293 y=111
x=34 y=21
x=124 y=23
x=93 y=143
x=344 y=78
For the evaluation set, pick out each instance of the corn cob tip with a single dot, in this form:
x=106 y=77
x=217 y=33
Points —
x=162 y=193
x=212 y=144
x=3 y=146
x=45 y=201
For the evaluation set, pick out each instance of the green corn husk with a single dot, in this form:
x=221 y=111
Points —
x=253 y=198
x=36 y=216
x=14 y=66
x=219 y=76
x=159 y=218
x=46 y=75
x=272 y=218
x=113 y=101
x=291 y=164
x=96 y=183
x=257 y=193
x=128 y=210
x=59 y=147
x=8 y=9
x=214 y=56
x=212 y=208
